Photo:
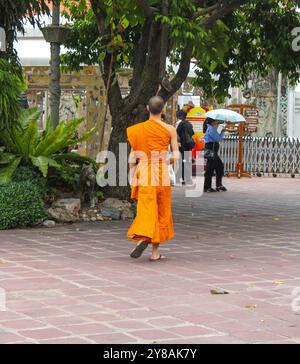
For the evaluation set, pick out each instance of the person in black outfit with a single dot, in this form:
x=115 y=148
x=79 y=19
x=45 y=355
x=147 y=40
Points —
x=185 y=134
x=212 y=140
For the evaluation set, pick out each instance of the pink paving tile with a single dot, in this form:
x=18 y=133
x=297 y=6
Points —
x=203 y=318
x=34 y=274
x=71 y=340
x=23 y=305
x=47 y=333
x=82 y=309
x=8 y=315
x=88 y=329
x=120 y=305
x=8 y=338
x=290 y=331
x=103 y=317
x=43 y=312
x=232 y=326
x=257 y=336
x=79 y=292
x=29 y=284
x=165 y=322
x=152 y=335
x=112 y=339
x=63 y=272
x=204 y=340
x=60 y=302
x=98 y=299
x=127 y=325
x=193 y=331
x=22 y=324
x=64 y=320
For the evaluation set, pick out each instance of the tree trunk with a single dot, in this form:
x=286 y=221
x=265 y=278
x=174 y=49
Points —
x=121 y=121
x=118 y=135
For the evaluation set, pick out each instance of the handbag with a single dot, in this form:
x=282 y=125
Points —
x=171 y=174
x=210 y=154
x=189 y=142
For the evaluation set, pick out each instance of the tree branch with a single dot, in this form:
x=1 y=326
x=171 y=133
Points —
x=147 y=9
x=207 y=11
x=184 y=66
x=181 y=75
x=148 y=81
x=199 y=3
x=100 y=14
x=223 y=10
x=164 y=41
x=114 y=96
x=140 y=54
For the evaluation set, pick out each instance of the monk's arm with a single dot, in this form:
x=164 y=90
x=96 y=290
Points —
x=174 y=145
x=132 y=164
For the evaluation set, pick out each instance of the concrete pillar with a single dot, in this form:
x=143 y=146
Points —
x=54 y=85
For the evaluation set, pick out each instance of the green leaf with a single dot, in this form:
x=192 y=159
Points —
x=87 y=135
x=7 y=172
x=30 y=137
x=27 y=116
x=213 y=66
x=124 y=22
x=43 y=163
x=102 y=56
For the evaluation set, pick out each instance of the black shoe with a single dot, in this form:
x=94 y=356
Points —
x=221 y=189
x=209 y=190
x=139 y=250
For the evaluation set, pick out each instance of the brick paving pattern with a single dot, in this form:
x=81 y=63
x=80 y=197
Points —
x=77 y=284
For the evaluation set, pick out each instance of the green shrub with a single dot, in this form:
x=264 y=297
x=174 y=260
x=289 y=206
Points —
x=66 y=178
x=25 y=145
x=20 y=205
x=27 y=174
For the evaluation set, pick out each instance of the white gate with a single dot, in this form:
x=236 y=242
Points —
x=265 y=156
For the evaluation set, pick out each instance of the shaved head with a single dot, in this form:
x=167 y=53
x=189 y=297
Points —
x=156 y=105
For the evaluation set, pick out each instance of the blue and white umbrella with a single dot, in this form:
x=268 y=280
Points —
x=225 y=115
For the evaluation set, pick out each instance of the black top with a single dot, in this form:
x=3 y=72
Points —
x=185 y=130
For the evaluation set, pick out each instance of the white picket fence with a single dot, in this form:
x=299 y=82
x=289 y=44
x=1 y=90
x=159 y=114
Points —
x=265 y=156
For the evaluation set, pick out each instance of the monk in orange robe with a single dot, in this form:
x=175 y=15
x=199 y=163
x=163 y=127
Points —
x=151 y=187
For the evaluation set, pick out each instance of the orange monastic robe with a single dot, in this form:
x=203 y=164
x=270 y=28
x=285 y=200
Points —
x=151 y=185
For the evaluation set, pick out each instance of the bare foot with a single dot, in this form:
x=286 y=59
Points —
x=156 y=258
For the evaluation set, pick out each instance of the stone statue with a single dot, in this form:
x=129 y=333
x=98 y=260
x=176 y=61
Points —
x=87 y=185
x=262 y=92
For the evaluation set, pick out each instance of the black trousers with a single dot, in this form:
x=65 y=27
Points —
x=213 y=165
x=185 y=169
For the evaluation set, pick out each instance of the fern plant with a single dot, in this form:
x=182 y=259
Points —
x=23 y=144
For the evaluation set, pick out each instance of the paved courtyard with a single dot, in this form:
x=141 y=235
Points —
x=77 y=284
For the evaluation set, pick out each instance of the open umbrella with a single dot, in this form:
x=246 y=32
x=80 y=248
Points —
x=225 y=115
